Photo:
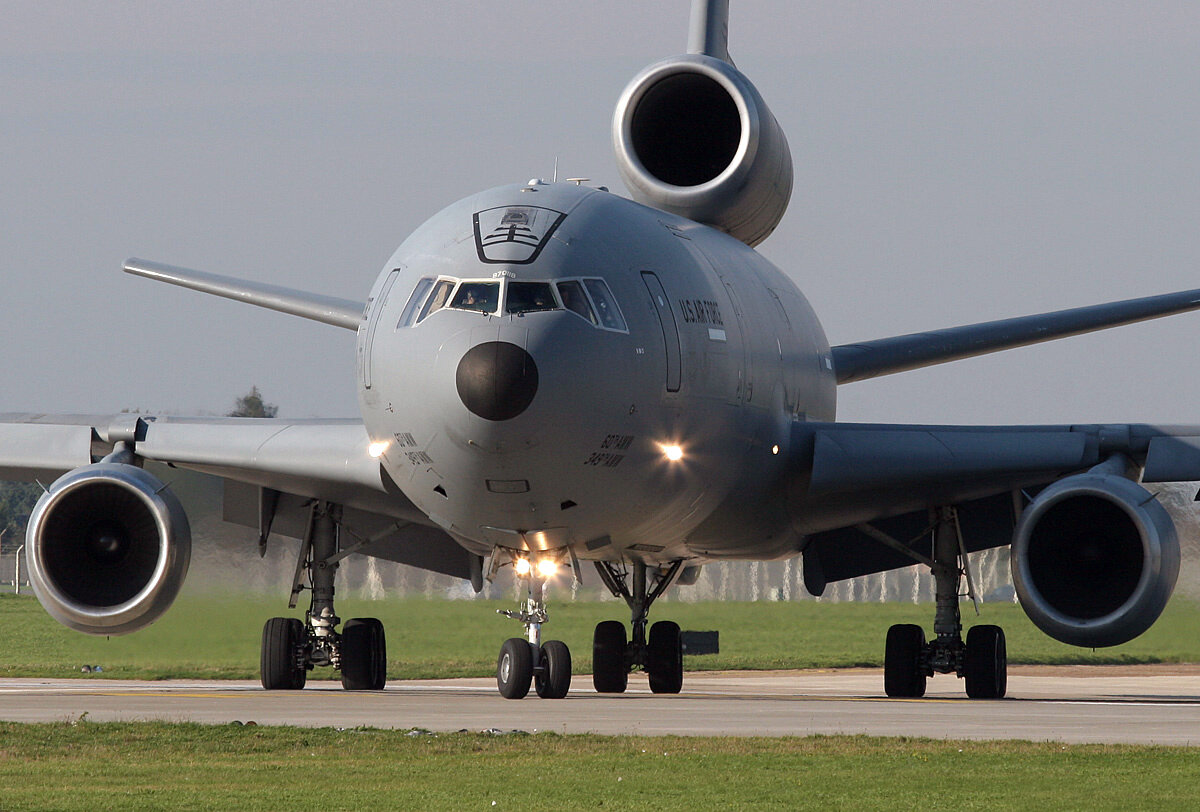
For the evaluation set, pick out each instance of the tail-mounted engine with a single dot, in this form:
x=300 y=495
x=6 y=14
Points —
x=1094 y=560
x=108 y=547
x=693 y=137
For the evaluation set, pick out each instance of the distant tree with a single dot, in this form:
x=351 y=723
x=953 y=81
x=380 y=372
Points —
x=16 y=503
x=251 y=404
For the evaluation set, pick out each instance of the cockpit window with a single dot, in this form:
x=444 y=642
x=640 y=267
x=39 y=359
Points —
x=438 y=300
x=480 y=296
x=575 y=300
x=526 y=297
x=606 y=306
x=418 y=295
x=588 y=298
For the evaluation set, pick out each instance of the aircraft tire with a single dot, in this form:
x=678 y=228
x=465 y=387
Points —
x=903 y=675
x=664 y=660
x=514 y=668
x=985 y=665
x=610 y=674
x=364 y=655
x=554 y=679
x=278 y=670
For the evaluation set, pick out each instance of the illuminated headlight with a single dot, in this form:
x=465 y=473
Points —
x=522 y=566
x=547 y=568
x=376 y=449
x=672 y=452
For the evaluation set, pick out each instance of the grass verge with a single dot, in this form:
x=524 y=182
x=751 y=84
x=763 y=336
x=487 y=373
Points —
x=217 y=636
x=88 y=766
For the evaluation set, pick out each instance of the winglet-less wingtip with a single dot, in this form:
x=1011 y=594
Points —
x=325 y=309
x=886 y=356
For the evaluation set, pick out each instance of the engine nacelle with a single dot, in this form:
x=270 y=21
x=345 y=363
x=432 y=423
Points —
x=1094 y=560
x=108 y=547
x=693 y=137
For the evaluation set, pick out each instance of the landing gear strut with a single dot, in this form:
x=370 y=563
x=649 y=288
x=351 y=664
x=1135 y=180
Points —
x=982 y=661
x=527 y=660
x=290 y=648
x=659 y=654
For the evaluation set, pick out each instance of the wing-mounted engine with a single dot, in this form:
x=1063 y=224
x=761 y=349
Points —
x=108 y=547
x=1094 y=559
x=693 y=137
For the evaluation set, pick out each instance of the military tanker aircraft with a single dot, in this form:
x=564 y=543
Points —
x=551 y=376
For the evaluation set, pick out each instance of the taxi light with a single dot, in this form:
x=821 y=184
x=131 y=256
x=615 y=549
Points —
x=547 y=568
x=673 y=452
x=376 y=449
x=522 y=566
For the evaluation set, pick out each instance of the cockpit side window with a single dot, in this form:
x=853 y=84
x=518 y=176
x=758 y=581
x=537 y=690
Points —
x=437 y=301
x=479 y=296
x=418 y=295
x=575 y=300
x=606 y=306
x=527 y=297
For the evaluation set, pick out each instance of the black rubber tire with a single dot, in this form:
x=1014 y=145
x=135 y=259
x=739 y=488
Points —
x=903 y=674
x=554 y=679
x=514 y=668
x=277 y=665
x=664 y=658
x=364 y=655
x=985 y=665
x=610 y=672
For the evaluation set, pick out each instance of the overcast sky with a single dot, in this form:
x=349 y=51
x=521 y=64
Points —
x=955 y=162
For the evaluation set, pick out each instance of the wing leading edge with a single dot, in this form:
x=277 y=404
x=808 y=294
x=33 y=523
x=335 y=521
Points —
x=885 y=356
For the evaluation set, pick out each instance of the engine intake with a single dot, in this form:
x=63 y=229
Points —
x=1094 y=560
x=108 y=547
x=693 y=137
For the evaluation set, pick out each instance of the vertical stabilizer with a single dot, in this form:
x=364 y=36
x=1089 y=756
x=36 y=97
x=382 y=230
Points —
x=708 y=31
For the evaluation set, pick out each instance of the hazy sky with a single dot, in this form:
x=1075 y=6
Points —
x=955 y=162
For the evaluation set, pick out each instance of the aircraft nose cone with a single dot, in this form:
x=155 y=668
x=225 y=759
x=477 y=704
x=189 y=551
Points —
x=496 y=380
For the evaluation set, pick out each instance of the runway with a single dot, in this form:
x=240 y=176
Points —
x=1134 y=704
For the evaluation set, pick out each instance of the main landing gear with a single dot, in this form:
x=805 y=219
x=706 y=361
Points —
x=982 y=661
x=290 y=649
x=526 y=660
x=659 y=654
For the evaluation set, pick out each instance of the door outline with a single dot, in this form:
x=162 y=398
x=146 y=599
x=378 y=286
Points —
x=662 y=306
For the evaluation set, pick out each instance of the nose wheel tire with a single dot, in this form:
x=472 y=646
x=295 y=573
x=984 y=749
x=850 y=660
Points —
x=665 y=658
x=610 y=673
x=280 y=666
x=553 y=679
x=514 y=668
x=985 y=665
x=364 y=655
x=903 y=672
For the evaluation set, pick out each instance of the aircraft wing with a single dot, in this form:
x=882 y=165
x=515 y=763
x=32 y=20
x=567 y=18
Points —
x=863 y=491
x=870 y=359
x=272 y=470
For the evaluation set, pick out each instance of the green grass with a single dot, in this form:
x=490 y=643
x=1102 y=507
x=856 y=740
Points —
x=88 y=766
x=217 y=636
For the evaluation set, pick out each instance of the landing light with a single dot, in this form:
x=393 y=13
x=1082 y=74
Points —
x=547 y=568
x=376 y=449
x=673 y=452
x=522 y=566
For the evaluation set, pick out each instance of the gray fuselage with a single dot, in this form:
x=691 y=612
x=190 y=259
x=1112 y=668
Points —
x=518 y=414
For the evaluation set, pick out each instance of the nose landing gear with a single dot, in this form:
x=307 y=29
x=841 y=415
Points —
x=527 y=660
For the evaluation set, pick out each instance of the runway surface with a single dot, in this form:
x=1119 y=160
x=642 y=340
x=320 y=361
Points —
x=1136 y=704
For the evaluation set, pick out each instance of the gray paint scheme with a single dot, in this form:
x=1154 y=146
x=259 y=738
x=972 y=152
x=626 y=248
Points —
x=765 y=473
